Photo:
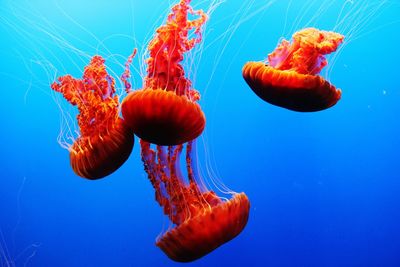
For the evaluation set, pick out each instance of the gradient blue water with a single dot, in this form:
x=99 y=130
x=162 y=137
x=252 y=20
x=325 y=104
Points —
x=324 y=187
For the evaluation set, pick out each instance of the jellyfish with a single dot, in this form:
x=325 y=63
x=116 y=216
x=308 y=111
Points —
x=105 y=141
x=290 y=78
x=164 y=111
x=203 y=221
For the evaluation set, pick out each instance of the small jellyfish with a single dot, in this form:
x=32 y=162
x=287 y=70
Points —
x=290 y=78
x=105 y=141
x=164 y=111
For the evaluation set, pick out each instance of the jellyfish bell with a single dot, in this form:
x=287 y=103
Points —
x=100 y=155
x=290 y=78
x=105 y=141
x=293 y=91
x=164 y=111
x=201 y=234
x=162 y=117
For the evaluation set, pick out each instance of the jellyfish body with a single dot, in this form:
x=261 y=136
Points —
x=290 y=79
x=164 y=111
x=162 y=117
x=105 y=141
x=203 y=221
x=207 y=231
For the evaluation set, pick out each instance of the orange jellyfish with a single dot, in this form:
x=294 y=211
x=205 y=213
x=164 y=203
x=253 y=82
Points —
x=164 y=111
x=290 y=78
x=105 y=142
x=203 y=221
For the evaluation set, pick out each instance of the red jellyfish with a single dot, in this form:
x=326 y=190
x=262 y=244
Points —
x=290 y=79
x=105 y=142
x=203 y=221
x=165 y=111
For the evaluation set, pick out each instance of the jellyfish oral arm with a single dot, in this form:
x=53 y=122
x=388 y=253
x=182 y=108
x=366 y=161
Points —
x=306 y=53
x=168 y=47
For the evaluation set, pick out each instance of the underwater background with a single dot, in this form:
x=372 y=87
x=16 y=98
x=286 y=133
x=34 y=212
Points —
x=324 y=186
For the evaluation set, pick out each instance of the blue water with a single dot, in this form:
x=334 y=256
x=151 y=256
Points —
x=324 y=187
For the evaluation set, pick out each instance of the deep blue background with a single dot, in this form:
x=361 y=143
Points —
x=324 y=187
